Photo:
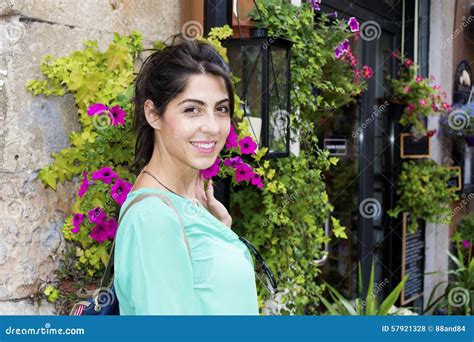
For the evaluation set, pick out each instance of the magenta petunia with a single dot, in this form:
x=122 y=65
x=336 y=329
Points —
x=345 y=45
x=353 y=24
x=112 y=228
x=97 y=215
x=243 y=172
x=120 y=190
x=422 y=102
x=84 y=184
x=117 y=114
x=257 y=180
x=247 y=145
x=233 y=162
x=338 y=52
x=466 y=244
x=104 y=230
x=211 y=171
x=316 y=4
x=105 y=174
x=97 y=109
x=77 y=220
x=232 y=138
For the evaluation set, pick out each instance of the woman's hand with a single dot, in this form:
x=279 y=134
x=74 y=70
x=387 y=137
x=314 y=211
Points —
x=207 y=199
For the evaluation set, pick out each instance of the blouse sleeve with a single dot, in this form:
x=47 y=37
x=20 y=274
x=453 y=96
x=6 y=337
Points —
x=158 y=262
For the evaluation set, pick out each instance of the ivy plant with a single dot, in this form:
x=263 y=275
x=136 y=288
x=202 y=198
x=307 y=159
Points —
x=424 y=193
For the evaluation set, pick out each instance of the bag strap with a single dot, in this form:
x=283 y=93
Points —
x=167 y=201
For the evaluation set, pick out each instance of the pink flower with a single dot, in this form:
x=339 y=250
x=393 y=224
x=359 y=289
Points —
x=232 y=138
x=211 y=171
x=406 y=90
x=418 y=79
x=97 y=109
x=117 y=114
x=243 y=172
x=466 y=244
x=446 y=106
x=104 y=230
x=120 y=190
x=105 y=174
x=410 y=107
x=77 y=220
x=367 y=72
x=97 y=215
x=408 y=62
x=234 y=162
x=422 y=102
x=84 y=184
x=247 y=145
x=395 y=54
x=434 y=107
x=436 y=86
x=257 y=180
x=357 y=72
x=353 y=24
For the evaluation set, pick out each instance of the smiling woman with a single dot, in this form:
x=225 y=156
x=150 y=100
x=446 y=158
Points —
x=177 y=254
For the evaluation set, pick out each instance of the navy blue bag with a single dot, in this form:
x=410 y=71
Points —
x=104 y=301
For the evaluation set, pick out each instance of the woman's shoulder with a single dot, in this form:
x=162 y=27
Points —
x=147 y=204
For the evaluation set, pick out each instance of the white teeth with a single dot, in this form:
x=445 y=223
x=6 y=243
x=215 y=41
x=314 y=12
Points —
x=203 y=145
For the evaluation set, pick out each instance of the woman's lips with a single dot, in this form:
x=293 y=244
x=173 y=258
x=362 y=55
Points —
x=204 y=146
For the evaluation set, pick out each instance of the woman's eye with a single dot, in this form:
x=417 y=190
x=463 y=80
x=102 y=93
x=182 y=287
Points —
x=224 y=110
x=192 y=110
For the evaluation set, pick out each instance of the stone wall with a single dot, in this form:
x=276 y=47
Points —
x=31 y=128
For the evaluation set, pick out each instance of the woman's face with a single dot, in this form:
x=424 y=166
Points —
x=196 y=123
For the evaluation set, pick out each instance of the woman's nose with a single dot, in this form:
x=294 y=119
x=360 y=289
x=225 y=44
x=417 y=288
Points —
x=210 y=125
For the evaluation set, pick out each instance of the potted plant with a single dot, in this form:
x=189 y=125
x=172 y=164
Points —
x=421 y=99
x=424 y=193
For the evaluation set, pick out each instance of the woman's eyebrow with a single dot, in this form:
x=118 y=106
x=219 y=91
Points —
x=202 y=103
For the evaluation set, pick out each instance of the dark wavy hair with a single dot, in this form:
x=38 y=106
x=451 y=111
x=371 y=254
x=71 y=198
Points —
x=163 y=76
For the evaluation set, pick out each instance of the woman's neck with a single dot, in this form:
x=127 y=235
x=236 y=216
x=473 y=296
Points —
x=179 y=178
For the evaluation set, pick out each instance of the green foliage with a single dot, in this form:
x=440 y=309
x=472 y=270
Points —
x=92 y=76
x=465 y=229
x=52 y=293
x=286 y=222
x=313 y=62
x=367 y=306
x=457 y=297
x=424 y=193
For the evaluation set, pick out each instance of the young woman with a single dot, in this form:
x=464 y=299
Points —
x=183 y=109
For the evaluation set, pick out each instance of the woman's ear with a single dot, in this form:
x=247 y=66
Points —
x=151 y=115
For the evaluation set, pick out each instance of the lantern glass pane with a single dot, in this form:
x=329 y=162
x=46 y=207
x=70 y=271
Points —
x=246 y=64
x=278 y=100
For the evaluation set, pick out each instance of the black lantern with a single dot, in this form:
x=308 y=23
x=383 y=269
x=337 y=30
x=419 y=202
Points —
x=263 y=66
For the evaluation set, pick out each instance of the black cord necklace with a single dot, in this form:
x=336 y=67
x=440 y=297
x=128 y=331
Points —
x=149 y=173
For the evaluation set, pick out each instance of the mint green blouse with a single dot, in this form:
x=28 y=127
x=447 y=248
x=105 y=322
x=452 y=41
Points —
x=154 y=274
